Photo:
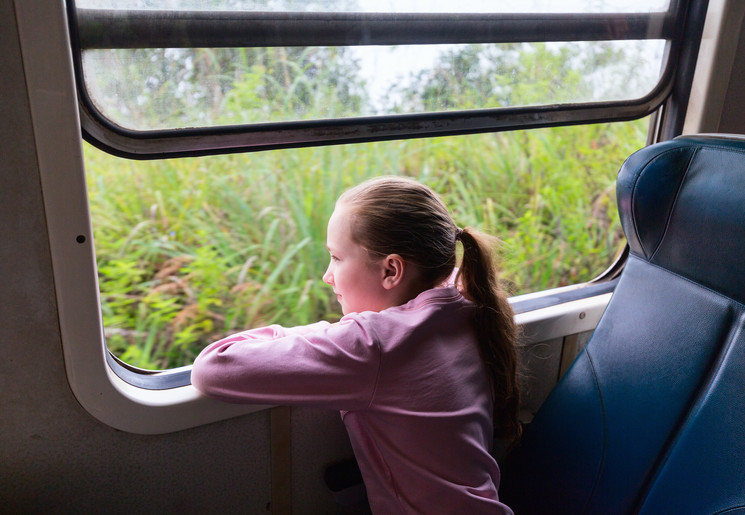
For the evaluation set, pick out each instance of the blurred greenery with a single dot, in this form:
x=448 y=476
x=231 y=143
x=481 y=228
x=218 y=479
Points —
x=190 y=250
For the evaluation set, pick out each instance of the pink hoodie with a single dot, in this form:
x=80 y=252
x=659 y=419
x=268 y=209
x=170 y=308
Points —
x=413 y=392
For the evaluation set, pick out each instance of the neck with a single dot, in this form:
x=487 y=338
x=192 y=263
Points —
x=411 y=287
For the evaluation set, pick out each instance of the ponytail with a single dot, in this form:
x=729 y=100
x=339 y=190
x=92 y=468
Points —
x=496 y=330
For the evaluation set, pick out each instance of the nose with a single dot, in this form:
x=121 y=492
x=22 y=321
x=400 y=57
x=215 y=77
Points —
x=328 y=277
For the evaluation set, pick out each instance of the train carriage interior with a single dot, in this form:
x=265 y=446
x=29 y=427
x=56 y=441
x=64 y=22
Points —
x=168 y=169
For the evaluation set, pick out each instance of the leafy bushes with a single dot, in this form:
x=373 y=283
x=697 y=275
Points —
x=190 y=250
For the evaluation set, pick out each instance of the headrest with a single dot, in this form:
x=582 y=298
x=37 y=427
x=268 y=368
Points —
x=682 y=207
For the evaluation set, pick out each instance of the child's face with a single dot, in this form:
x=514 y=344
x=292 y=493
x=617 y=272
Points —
x=357 y=278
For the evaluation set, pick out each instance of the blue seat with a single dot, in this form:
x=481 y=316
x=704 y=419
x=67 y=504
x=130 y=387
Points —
x=650 y=418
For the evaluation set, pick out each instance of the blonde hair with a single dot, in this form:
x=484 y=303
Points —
x=395 y=215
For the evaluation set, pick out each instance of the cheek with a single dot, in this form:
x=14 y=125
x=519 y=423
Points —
x=338 y=275
x=333 y=270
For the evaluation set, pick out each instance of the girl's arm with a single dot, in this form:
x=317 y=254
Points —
x=331 y=365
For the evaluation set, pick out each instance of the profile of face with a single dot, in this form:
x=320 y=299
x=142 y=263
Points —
x=357 y=277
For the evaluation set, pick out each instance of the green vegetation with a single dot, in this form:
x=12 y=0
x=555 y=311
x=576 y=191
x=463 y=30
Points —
x=190 y=250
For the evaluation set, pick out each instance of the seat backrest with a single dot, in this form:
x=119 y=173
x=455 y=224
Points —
x=650 y=417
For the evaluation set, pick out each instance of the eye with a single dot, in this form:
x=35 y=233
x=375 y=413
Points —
x=334 y=258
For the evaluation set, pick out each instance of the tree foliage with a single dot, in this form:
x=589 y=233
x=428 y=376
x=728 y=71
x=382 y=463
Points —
x=516 y=74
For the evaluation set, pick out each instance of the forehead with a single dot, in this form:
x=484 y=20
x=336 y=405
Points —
x=340 y=227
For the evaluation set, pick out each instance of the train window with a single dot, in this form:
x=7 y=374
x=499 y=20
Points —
x=221 y=133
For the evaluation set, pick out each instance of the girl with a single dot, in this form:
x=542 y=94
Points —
x=420 y=369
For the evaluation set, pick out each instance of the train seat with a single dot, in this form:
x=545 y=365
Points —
x=650 y=418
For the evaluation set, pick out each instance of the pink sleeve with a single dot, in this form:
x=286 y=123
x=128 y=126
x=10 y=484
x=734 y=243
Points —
x=330 y=365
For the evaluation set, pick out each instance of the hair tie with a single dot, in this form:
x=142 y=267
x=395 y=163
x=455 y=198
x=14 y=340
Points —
x=458 y=233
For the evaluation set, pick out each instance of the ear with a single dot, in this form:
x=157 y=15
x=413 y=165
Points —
x=394 y=267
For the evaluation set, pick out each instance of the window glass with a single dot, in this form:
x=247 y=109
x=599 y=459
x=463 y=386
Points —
x=148 y=89
x=190 y=250
x=166 y=88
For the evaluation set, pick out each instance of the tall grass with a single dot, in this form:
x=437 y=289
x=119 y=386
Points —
x=190 y=250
